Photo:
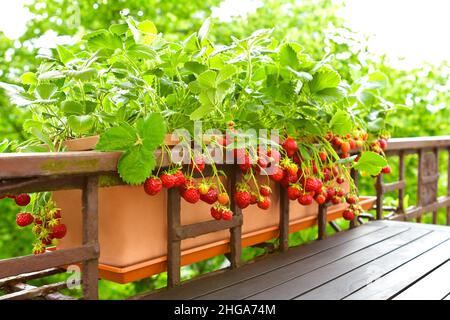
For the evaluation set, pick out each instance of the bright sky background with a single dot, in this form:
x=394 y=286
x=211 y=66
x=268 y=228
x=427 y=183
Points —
x=418 y=30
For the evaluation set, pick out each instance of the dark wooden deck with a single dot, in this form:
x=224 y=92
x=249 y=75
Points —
x=378 y=260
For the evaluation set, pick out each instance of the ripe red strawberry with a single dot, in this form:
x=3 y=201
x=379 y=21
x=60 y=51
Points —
x=305 y=199
x=294 y=192
x=168 y=180
x=48 y=241
x=223 y=198
x=313 y=184
x=327 y=174
x=22 y=199
x=340 y=192
x=210 y=197
x=336 y=200
x=189 y=183
x=38 y=221
x=274 y=156
x=199 y=163
x=262 y=162
x=59 y=231
x=191 y=195
x=336 y=142
x=180 y=178
x=352 y=144
x=264 y=203
x=323 y=156
x=253 y=198
x=340 y=180
x=245 y=163
x=226 y=214
x=351 y=199
x=242 y=198
x=24 y=219
x=277 y=174
x=215 y=213
x=383 y=144
x=292 y=178
x=265 y=191
x=348 y=215
x=330 y=192
x=153 y=185
x=320 y=198
x=290 y=146
x=386 y=169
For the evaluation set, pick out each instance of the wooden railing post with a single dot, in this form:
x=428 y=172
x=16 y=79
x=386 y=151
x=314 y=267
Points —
x=354 y=175
x=236 y=231
x=173 y=243
x=401 y=177
x=90 y=237
x=322 y=221
x=379 y=201
x=284 y=220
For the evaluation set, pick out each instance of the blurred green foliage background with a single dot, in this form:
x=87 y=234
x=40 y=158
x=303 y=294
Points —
x=312 y=23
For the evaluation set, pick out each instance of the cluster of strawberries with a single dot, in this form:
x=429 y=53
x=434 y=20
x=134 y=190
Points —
x=191 y=190
x=47 y=222
x=317 y=178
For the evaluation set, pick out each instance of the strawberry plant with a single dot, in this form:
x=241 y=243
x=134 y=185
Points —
x=131 y=86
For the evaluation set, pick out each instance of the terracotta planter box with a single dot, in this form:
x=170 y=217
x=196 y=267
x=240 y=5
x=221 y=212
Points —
x=133 y=227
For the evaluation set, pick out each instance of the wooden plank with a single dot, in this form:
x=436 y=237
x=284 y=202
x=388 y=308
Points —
x=197 y=229
x=284 y=220
x=357 y=278
x=30 y=276
x=90 y=237
x=388 y=187
x=433 y=286
x=50 y=296
x=29 y=185
x=194 y=288
x=418 y=143
x=270 y=279
x=35 y=292
x=173 y=244
x=401 y=278
x=21 y=165
x=300 y=282
x=26 y=264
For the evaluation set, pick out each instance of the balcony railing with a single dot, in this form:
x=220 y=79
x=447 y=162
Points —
x=38 y=172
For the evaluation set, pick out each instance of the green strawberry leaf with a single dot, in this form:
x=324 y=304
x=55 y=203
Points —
x=370 y=162
x=80 y=124
x=136 y=164
x=152 y=131
x=341 y=123
x=117 y=138
x=323 y=79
